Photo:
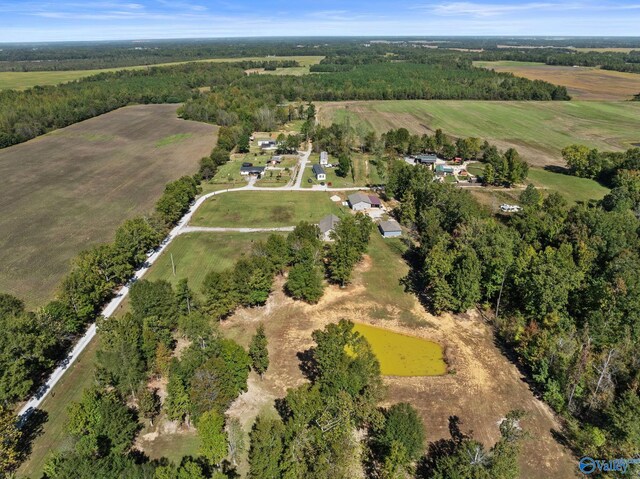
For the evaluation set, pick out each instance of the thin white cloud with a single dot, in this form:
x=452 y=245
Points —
x=495 y=9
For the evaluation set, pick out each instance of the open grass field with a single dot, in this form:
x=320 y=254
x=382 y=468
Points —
x=583 y=83
x=403 y=355
x=68 y=190
x=263 y=209
x=574 y=189
x=23 y=80
x=196 y=254
x=571 y=187
x=538 y=130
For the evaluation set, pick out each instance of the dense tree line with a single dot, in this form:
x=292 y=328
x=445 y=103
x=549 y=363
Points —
x=92 y=55
x=620 y=171
x=562 y=284
x=618 y=61
x=27 y=114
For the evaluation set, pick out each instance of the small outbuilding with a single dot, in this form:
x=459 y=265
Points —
x=318 y=170
x=327 y=225
x=390 y=229
x=324 y=158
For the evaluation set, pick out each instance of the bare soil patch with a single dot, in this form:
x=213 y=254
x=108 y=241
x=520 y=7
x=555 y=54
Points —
x=68 y=190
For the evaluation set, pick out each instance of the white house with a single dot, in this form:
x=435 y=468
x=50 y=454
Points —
x=267 y=144
x=324 y=158
x=252 y=170
x=319 y=172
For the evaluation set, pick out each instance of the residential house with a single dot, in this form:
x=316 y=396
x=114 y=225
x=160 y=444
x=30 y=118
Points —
x=324 y=158
x=360 y=201
x=276 y=160
x=318 y=170
x=327 y=225
x=267 y=144
x=444 y=170
x=390 y=229
x=252 y=170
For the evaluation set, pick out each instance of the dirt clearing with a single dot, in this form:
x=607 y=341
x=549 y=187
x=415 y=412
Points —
x=480 y=389
x=68 y=190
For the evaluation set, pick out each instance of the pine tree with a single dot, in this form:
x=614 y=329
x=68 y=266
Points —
x=212 y=436
x=266 y=449
x=258 y=352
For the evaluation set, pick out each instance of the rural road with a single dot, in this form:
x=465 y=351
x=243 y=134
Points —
x=214 y=229
x=36 y=400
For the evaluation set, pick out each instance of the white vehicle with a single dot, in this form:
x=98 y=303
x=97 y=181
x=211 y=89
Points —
x=510 y=208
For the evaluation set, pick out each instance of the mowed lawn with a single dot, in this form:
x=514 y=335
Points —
x=403 y=355
x=23 y=80
x=264 y=209
x=68 y=190
x=538 y=130
x=196 y=254
x=571 y=187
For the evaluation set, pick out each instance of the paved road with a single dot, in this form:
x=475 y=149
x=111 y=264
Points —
x=121 y=294
x=214 y=229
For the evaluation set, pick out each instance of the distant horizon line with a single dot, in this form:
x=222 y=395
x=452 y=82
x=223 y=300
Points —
x=319 y=37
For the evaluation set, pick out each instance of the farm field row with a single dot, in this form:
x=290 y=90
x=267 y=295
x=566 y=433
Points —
x=583 y=83
x=69 y=190
x=538 y=130
x=22 y=80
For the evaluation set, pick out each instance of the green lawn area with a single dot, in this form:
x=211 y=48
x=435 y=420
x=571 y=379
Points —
x=263 y=209
x=402 y=355
x=195 y=254
x=571 y=187
x=364 y=172
x=538 y=130
x=173 y=139
x=383 y=280
x=22 y=80
x=79 y=377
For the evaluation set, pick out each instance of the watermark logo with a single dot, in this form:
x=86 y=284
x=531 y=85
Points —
x=589 y=465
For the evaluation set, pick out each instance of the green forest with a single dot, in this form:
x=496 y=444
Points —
x=560 y=284
x=235 y=97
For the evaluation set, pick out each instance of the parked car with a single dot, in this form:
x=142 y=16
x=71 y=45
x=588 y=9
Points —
x=246 y=163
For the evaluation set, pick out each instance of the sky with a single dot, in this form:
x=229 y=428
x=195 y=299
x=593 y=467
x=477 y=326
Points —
x=78 y=20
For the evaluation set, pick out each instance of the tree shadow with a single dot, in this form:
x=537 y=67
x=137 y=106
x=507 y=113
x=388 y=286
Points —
x=308 y=364
x=437 y=450
x=31 y=429
x=557 y=169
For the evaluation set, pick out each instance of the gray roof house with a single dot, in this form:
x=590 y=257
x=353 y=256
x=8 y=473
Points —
x=360 y=201
x=327 y=225
x=319 y=172
x=390 y=229
x=251 y=170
